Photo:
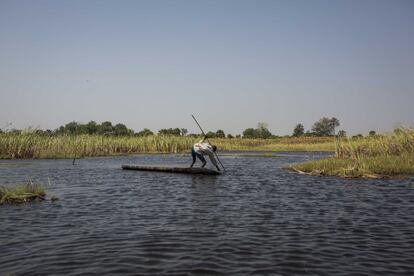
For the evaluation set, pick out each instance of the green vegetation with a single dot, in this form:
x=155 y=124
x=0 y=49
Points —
x=105 y=128
x=299 y=130
x=261 y=132
x=372 y=156
x=21 y=193
x=321 y=128
x=32 y=145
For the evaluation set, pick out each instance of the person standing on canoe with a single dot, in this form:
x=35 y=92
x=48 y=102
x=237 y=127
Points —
x=200 y=149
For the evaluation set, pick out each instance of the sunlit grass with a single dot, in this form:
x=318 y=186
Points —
x=377 y=156
x=30 y=145
x=21 y=193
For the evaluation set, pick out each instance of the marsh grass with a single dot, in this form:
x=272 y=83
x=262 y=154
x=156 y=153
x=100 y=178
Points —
x=31 y=145
x=21 y=193
x=377 y=156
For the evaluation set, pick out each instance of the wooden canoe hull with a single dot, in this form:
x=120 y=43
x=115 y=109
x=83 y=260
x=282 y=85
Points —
x=186 y=170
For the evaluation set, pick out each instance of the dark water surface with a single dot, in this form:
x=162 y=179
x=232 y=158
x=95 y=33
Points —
x=257 y=219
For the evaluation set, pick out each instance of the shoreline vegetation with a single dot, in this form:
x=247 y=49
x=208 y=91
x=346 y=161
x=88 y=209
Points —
x=32 y=145
x=78 y=140
x=22 y=193
x=375 y=156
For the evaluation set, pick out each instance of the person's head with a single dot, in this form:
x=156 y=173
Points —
x=214 y=148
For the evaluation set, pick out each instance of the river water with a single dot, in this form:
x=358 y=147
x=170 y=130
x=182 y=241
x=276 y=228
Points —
x=257 y=219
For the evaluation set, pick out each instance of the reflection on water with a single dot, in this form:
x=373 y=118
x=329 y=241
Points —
x=256 y=219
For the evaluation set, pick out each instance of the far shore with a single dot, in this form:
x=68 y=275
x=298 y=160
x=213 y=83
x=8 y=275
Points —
x=374 y=156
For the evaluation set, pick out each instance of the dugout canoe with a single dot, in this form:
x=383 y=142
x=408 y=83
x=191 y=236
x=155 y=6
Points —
x=186 y=170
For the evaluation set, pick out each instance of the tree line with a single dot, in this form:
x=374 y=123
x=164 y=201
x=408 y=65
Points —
x=321 y=128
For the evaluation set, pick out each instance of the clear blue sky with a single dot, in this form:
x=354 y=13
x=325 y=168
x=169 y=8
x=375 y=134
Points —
x=231 y=63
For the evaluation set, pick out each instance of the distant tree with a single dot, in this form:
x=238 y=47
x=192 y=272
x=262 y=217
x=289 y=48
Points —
x=163 y=131
x=248 y=133
x=299 y=130
x=342 y=133
x=334 y=123
x=229 y=136
x=121 y=130
x=1 y=131
x=262 y=131
x=39 y=132
x=184 y=132
x=92 y=127
x=82 y=129
x=105 y=128
x=372 y=133
x=60 y=130
x=325 y=126
x=309 y=134
x=220 y=134
x=170 y=131
x=71 y=127
x=238 y=136
x=211 y=134
x=358 y=136
x=144 y=132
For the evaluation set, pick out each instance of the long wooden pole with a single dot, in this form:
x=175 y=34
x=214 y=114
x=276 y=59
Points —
x=202 y=131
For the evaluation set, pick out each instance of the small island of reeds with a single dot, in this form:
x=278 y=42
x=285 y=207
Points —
x=375 y=156
x=21 y=193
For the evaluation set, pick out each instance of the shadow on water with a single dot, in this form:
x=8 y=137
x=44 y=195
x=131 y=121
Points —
x=255 y=219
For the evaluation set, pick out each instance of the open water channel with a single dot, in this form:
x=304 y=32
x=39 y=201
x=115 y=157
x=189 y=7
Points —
x=257 y=219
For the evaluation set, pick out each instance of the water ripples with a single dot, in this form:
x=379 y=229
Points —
x=258 y=219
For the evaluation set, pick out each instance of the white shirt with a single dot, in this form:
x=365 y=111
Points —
x=205 y=149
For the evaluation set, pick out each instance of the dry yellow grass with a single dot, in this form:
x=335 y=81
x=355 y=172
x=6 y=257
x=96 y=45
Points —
x=30 y=145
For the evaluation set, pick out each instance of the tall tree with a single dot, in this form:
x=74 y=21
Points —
x=325 y=126
x=144 y=132
x=299 y=130
x=220 y=134
x=121 y=130
x=262 y=131
x=333 y=124
x=184 y=132
x=105 y=128
x=248 y=133
x=92 y=127
x=342 y=133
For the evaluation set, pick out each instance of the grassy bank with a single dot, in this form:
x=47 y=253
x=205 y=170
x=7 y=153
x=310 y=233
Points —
x=66 y=146
x=376 y=156
x=21 y=193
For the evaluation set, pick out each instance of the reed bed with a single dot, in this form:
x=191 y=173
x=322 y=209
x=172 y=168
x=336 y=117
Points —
x=21 y=193
x=30 y=145
x=277 y=144
x=377 y=156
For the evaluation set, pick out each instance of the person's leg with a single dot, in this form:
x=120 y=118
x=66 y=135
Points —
x=202 y=160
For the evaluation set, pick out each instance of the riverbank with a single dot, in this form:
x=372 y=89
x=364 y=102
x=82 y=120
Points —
x=370 y=157
x=13 y=146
